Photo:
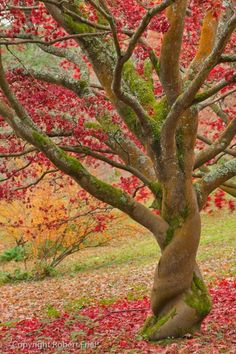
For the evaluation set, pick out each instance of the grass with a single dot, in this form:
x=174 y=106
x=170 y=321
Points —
x=217 y=241
x=140 y=249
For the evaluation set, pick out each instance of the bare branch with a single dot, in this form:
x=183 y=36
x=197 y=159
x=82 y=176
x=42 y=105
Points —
x=22 y=8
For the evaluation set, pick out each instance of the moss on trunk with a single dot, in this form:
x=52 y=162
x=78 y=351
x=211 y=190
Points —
x=198 y=297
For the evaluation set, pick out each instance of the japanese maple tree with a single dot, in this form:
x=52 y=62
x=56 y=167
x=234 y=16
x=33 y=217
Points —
x=135 y=82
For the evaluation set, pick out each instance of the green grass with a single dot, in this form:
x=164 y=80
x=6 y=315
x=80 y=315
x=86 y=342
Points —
x=218 y=240
x=133 y=251
x=216 y=250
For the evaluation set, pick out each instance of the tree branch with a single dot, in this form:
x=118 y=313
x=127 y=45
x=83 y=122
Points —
x=217 y=99
x=54 y=41
x=218 y=146
x=18 y=154
x=80 y=87
x=12 y=174
x=214 y=179
x=34 y=183
x=170 y=51
x=227 y=58
x=88 y=151
x=72 y=167
x=213 y=90
x=185 y=99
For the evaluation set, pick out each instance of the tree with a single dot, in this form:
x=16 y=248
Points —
x=141 y=116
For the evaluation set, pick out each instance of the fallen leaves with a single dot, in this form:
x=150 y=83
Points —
x=114 y=329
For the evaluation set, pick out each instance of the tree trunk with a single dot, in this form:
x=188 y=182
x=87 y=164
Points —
x=179 y=298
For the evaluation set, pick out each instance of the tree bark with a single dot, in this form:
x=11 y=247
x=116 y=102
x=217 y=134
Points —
x=179 y=297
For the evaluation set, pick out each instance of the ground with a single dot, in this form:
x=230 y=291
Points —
x=99 y=299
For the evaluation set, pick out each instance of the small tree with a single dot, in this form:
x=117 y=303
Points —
x=141 y=116
x=48 y=227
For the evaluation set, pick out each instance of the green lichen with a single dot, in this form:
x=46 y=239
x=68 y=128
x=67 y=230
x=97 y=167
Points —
x=198 y=297
x=153 y=324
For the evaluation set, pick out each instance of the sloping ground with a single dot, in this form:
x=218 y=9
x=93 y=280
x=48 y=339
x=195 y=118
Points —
x=123 y=268
x=120 y=277
x=114 y=329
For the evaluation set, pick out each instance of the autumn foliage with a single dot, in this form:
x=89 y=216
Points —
x=115 y=328
x=133 y=102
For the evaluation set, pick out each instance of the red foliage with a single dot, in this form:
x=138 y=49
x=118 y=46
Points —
x=49 y=104
x=114 y=328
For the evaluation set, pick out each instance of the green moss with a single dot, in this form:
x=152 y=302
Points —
x=116 y=196
x=131 y=120
x=78 y=27
x=198 y=297
x=153 y=324
x=140 y=87
x=73 y=163
x=174 y=223
x=201 y=96
x=147 y=70
x=161 y=110
x=156 y=188
x=83 y=85
x=143 y=90
x=41 y=140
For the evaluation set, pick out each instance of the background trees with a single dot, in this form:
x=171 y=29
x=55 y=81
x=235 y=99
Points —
x=137 y=110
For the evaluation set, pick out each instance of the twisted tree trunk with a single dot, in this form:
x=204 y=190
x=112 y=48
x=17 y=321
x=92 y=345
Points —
x=179 y=298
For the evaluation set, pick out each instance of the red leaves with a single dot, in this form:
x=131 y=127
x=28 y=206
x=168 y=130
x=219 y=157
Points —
x=114 y=329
